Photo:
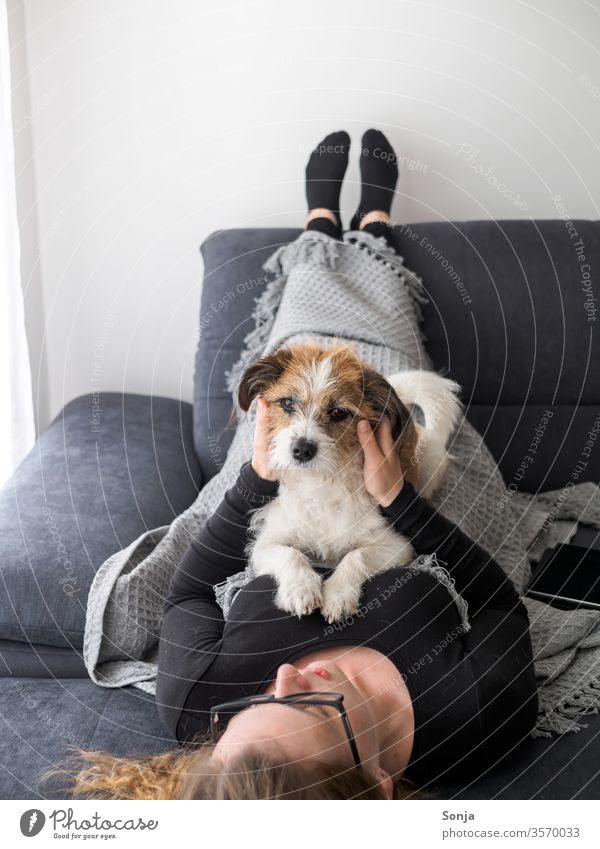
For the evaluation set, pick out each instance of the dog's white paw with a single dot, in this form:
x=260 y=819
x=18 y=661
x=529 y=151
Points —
x=301 y=595
x=340 y=598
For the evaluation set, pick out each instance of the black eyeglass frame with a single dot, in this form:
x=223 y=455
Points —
x=326 y=699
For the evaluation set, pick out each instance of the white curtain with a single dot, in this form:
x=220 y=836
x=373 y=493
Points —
x=17 y=432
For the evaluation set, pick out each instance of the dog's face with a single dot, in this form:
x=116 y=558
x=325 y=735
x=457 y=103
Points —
x=316 y=397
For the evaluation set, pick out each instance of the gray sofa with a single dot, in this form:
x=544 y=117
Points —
x=507 y=318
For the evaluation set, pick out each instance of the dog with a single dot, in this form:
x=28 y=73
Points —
x=316 y=396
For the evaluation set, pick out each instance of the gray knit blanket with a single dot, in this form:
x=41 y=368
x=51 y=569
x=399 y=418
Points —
x=360 y=291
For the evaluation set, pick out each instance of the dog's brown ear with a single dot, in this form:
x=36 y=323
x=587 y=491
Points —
x=261 y=374
x=384 y=400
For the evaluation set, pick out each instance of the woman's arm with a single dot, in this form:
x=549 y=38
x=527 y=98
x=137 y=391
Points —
x=498 y=642
x=498 y=646
x=192 y=621
x=477 y=576
x=218 y=550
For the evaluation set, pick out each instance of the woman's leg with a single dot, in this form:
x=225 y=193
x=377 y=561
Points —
x=379 y=175
x=324 y=175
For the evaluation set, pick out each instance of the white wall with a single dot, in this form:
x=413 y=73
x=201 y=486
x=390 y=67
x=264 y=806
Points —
x=144 y=125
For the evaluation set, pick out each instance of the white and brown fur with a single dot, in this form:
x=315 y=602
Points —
x=323 y=508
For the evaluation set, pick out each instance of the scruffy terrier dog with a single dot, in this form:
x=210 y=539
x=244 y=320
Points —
x=316 y=396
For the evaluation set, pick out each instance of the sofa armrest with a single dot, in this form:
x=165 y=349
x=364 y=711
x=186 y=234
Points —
x=109 y=467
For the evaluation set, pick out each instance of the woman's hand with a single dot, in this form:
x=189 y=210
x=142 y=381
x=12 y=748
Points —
x=382 y=471
x=260 y=452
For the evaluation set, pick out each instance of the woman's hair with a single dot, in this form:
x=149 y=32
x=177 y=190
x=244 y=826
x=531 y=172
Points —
x=190 y=773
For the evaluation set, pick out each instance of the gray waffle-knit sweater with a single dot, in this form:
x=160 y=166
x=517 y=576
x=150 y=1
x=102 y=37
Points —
x=359 y=290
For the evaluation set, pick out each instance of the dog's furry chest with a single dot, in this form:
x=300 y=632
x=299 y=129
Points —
x=322 y=519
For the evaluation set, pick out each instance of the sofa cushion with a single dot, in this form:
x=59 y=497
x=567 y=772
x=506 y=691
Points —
x=541 y=447
x=508 y=317
x=564 y=767
x=107 y=469
x=525 y=336
x=41 y=719
x=31 y=660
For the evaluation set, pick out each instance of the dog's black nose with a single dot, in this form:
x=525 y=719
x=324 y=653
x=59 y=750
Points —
x=303 y=450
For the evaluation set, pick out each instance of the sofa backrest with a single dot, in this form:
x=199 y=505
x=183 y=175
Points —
x=511 y=317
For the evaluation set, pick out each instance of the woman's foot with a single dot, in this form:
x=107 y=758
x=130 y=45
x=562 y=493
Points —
x=376 y=216
x=322 y=212
x=379 y=175
x=324 y=175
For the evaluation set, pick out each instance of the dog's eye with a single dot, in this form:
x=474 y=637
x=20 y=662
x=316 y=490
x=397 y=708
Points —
x=287 y=404
x=337 y=414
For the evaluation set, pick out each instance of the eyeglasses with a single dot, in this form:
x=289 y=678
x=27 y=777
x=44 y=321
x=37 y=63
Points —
x=220 y=715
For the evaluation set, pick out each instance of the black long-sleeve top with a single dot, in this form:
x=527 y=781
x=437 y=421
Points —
x=474 y=694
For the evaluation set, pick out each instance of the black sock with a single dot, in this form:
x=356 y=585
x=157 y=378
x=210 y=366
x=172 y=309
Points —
x=325 y=172
x=380 y=228
x=379 y=174
x=325 y=225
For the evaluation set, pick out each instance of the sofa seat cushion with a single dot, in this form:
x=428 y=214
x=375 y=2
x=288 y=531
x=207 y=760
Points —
x=107 y=469
x=564 y=767
x=41 y=719
x=28 y=660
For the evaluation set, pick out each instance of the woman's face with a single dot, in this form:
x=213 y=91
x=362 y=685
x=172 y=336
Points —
x=307 y=732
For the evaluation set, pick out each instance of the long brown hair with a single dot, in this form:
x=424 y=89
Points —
x=190 y=773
